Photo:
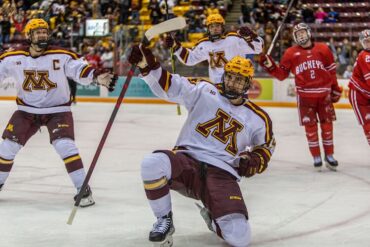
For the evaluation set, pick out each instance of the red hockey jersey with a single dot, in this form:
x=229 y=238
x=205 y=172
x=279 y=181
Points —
x=314 y=69
x=360 y=79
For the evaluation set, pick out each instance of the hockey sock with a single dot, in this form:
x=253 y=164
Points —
x=75 y=170
x=158 y=194
x=8 y=151
x=5 y=167
x=327 y=138
x=313 y=139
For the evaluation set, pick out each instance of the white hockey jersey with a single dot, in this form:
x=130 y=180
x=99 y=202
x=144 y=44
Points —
x=41 y=82
x=219 y=52
x=216 y=131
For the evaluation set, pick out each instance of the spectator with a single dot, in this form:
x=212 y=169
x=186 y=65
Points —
x=307 y=14
x=155 y=11
x=332 y=16
x=5 y=25
x=348 y=73
x=320 y=16
x=107 y=58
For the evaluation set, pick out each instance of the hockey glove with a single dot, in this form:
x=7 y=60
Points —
x=144 y=59
x=267 y=62
x=248 y=34
x=105 y=78
x=336 y=92
x=172 y=43
x=250 y=163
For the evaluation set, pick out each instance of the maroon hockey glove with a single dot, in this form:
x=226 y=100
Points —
x=336 y=92
x=267 y=62
x=105 y=78
x=248 y=34
x=250 y=164
x=172 y=43
x=144 y=59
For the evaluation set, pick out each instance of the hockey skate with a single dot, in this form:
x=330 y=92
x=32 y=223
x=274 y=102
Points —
x=331 y=163
x=161 y=234
x=86 y=199
x=317 y=163
x=206 y=216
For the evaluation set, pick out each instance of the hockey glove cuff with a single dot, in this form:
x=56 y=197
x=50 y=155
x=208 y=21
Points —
x=267 y=62
x=144 y=59
x=248 y=34
x=250 y=164
x=336 y=92
x=172 y=43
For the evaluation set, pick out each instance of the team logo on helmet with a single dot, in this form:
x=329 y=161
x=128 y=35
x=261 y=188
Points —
x=301 y=40
x=215 y=18
x=241 y=66
x=365 y=34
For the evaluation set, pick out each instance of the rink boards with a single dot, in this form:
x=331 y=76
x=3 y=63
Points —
x=265 y=91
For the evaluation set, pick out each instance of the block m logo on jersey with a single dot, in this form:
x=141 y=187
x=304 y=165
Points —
x=220 y=131
x=217 y=59
x=37 y=80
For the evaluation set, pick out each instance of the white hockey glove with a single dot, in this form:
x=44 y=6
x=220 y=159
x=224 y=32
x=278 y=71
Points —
x=105 y=78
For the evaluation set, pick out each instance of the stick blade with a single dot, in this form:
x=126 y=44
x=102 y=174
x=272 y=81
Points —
x=165 y=27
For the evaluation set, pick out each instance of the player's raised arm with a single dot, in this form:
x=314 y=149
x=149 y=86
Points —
x=82 y=72
x=171 y=87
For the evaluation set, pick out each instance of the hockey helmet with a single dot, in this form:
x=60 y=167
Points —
x=301 y=40
x=238 y=67
x=35 y=24
x=364 y=35
x=215 y=18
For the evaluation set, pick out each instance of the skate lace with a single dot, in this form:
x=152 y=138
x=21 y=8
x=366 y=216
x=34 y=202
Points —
x=162 y=225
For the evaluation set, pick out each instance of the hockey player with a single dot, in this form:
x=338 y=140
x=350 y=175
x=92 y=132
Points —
x=218 y=47
x=317 y=88
x=211 y=153
x=41 y=73
x=359 y=85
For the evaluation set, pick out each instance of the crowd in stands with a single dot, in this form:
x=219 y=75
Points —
x=128 y=20
x=265 y=16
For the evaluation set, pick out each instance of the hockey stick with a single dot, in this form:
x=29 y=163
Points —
x=164 y=27
x=279 y=28
x=172 y=58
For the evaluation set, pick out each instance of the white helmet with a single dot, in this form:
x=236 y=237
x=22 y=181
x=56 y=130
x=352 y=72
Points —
x=365 y=34
x=300 y=40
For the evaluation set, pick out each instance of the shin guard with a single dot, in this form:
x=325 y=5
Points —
x=313 y=139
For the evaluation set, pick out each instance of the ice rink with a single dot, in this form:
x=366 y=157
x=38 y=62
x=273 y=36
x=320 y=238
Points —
x=290 y=204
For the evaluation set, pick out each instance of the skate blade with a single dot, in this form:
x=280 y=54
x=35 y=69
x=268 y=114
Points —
x=318 y=168
x=331 y=168
x=168 y=242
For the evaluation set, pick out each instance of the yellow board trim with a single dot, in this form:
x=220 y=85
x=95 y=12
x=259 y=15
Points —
x=71 y=159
